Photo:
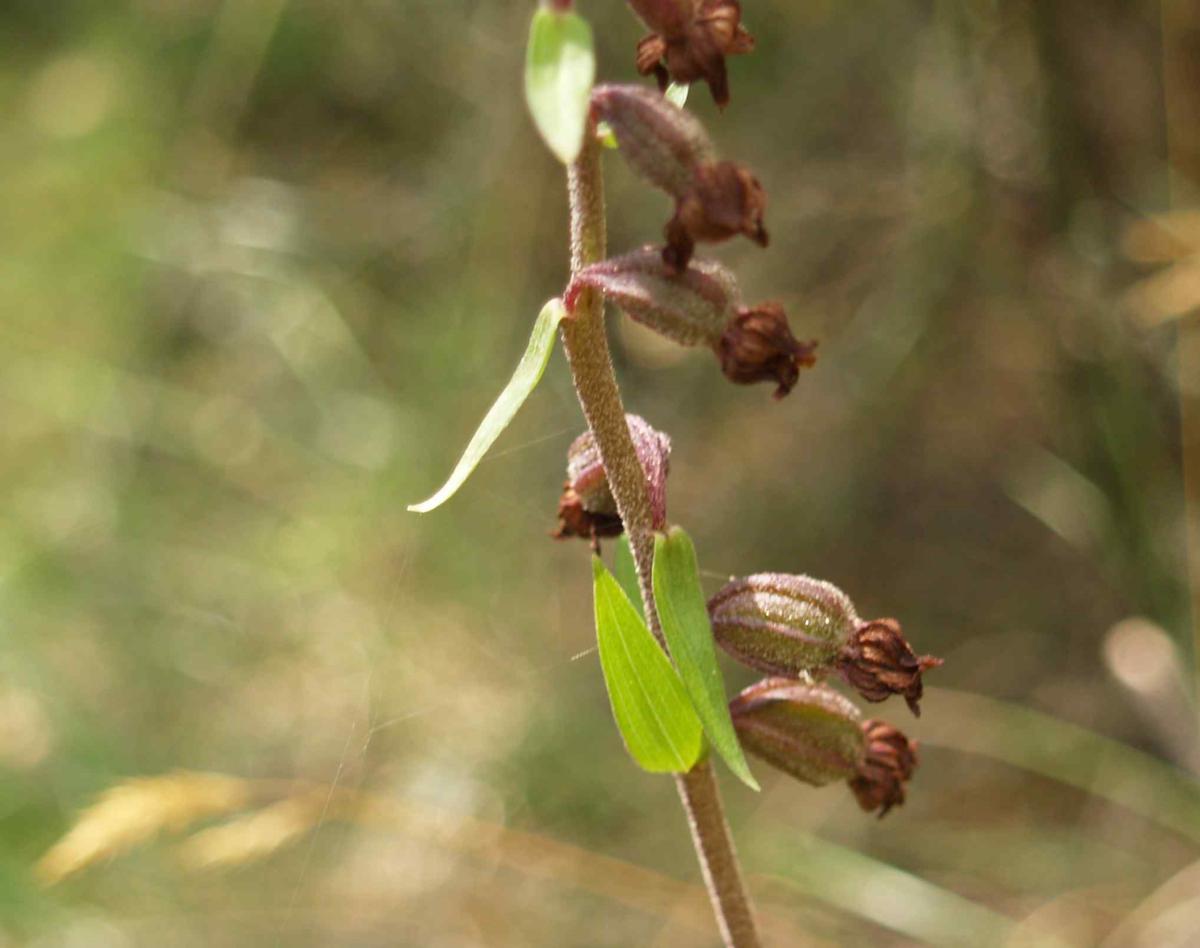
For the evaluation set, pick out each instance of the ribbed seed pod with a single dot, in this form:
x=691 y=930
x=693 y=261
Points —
x=695 y=307
x=662 y=142
x=782 y=624
x=808 y=731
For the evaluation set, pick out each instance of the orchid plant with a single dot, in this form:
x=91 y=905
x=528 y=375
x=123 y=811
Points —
x=657 y=635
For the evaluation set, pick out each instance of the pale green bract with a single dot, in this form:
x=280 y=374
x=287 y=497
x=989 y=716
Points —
x=650 y=705
x=524 y=380
x=684 y=616
x=560 y=66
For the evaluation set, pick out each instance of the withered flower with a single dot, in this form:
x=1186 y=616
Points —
x=723 y=200
x=758 y=345
x=587 y=508
x=817 y=736
x=888 y=765
x=878 y=662
x=690 y=41
x=576 y=521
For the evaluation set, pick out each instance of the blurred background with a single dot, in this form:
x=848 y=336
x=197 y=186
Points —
x=263 y=266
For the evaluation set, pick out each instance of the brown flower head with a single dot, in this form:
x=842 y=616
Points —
x=890 y=761
x=878 y=661
x=724 y=200
x=587 y=508
x=759 y=346
x=690 y=41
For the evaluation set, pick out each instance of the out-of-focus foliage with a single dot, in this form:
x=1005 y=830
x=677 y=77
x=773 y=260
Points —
x=243 y=242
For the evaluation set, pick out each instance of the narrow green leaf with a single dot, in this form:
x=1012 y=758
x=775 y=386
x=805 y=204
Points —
x=684 y=617
x=625 y=570
x=560 y=65
x=524 y=380
x=650 y=705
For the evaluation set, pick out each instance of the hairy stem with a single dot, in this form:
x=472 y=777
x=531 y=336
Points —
x=596 y=385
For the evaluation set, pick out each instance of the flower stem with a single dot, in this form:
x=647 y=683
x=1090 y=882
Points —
x=586 y=346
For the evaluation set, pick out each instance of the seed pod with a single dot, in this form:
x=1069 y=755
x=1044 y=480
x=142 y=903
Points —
x=817 y=736
x=792 y=625
x=808 y=731
x=782 y=624
x=691 y=308
x=587 y=508
x=758 y=346
x=667 y=145
x=662 y=142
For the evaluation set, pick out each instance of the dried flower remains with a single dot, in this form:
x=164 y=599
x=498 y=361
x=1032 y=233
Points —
x=690 y=41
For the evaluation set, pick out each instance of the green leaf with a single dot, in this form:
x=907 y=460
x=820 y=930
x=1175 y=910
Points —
x=649 y=702
x=524 y=380
x=625 y=569
x=559 y=68
x=684 y=617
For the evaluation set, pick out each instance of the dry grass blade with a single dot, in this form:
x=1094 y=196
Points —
x=1168 y=294
x=1163 y=238
x=1173 y=291
x=1173 y=904
x=254 y=835
x=136 y=810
